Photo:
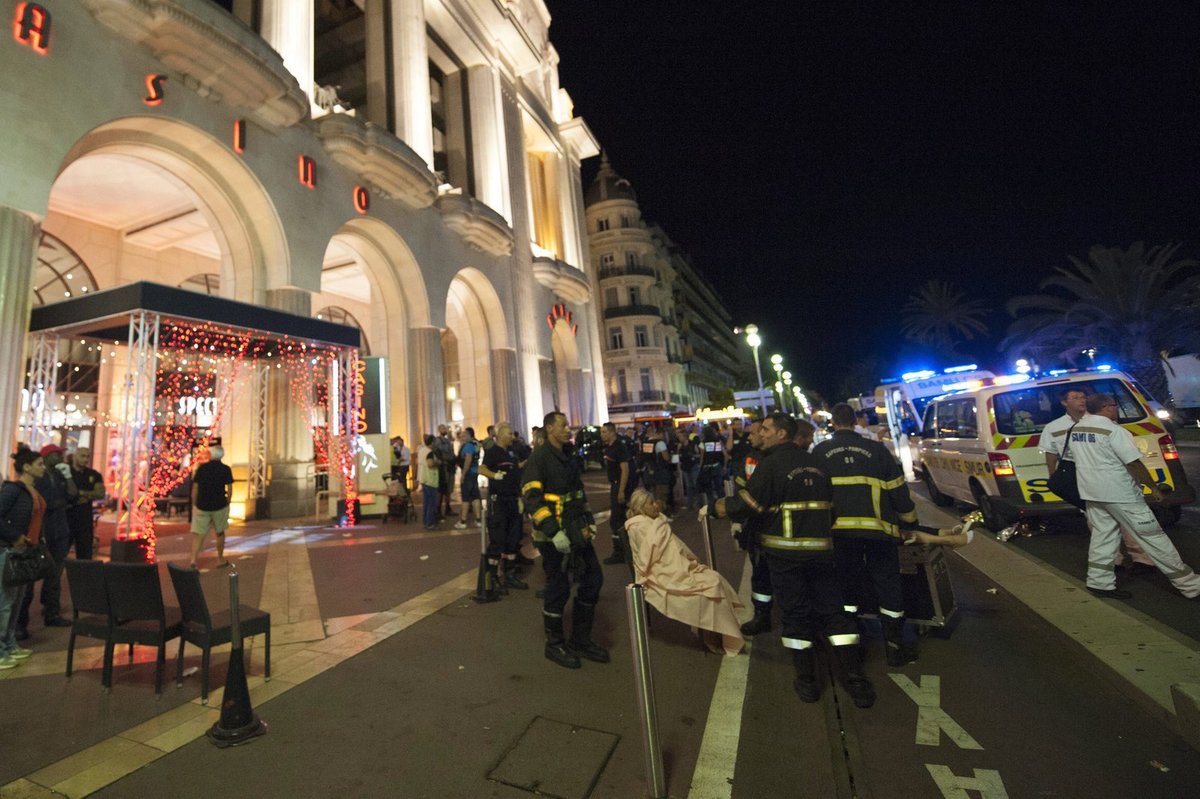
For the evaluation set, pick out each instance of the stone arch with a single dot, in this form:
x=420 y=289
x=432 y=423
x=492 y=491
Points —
x=486 y=370
x=240 y=214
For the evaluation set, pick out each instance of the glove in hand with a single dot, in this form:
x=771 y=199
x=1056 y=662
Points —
x=561 y=542
x=703 y=514
x=64 y=469
x=498 y=476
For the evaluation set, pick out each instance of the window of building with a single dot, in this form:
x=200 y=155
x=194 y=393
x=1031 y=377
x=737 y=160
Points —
x=635 y=295
x=646 y=384
x=624 y=221
x=607 y=260
x=616 y=341
x=641 y=337
x=622 y=383
x=601 y=225
x=631 y=259
x=610 y=298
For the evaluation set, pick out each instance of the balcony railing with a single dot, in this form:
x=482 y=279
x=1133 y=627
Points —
x=631 y=310
x=654 y=395
x=625 y=271
x=635 y=397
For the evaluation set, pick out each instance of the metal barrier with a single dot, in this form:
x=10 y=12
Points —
x=708 y=543
x=635 y=602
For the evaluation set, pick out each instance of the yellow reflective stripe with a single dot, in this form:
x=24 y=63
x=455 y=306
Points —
x=875 y=500
x=540 y=515
x=560 y=498
x=552 y=497
x=532 y=484
x=806 y=506
x=780 y=542
x=894 y=483
x=864 y=480
x=865 y=523
x=910 y=516
x=749 y=500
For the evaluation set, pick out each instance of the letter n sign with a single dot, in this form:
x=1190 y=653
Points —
x=307 y=171
x=31 y=26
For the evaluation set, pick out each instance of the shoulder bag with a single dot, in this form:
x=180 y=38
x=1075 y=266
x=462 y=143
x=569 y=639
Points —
x=1064 y=481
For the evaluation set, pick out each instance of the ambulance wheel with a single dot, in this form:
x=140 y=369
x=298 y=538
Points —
x=1169 y=516
x=937 y=497
x=992 y=517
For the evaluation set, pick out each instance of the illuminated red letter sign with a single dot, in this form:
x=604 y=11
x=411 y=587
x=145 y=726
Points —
x=239 y=135
x=154 y=89
x=308 y=172
x=362 y=200
x=31 y=26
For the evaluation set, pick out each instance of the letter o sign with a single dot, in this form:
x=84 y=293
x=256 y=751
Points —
x=362 y=200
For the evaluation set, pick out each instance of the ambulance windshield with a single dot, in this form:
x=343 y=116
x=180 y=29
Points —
x=1027 y=410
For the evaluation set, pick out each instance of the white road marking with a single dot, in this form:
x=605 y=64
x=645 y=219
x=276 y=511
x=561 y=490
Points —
x=952 y=786
x=931 y=719
x=715 y=763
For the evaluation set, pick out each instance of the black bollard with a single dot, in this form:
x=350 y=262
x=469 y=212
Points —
x=238 y=723
x=481 y=592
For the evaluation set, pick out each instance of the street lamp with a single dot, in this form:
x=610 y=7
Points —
x=787 y=381
x=754 y=341
x=801 y=402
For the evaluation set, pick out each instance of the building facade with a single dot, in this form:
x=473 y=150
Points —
x=667 y=340
x=407 y=167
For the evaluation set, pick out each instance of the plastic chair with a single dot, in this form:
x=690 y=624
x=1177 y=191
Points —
x=89 y=614
x=205 y=630
x=136 y=609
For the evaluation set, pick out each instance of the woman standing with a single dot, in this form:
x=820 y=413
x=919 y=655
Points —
x=676 y=583
x=21 y=512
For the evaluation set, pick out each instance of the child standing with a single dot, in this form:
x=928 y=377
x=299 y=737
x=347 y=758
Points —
x=430 y=481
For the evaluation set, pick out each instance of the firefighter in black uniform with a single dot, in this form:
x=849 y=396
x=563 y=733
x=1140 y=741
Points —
x=502 y=464
x=871 y=501
x=791 y=493
x=616 y=463
x=563 y=529
x=746 y=456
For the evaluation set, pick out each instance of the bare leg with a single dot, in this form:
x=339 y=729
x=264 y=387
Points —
x=197 y=542
x=221 y=549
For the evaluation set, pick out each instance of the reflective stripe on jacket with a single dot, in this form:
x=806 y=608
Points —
x=870 y=496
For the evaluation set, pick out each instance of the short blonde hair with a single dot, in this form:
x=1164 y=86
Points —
x=638 y=501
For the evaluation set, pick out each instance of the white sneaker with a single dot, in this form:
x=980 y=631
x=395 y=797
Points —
x=21 y=653
x=9 y=662
x=460 y=525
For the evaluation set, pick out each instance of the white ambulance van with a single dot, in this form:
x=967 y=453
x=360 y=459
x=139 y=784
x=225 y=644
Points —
x=979 y=444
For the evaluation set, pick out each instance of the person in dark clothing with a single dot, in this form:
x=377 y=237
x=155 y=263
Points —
x=502 y=464
x=90 y=486
x=563 y=530
x=446 y=467
x=21 y=511
x=871 y=500
x=746 y=460
x=712 y=464
x=794 y=494
x=59 y=491
x=212 y=488
x=617 y=465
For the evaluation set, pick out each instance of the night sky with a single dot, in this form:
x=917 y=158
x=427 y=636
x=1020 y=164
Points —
x=821 y=160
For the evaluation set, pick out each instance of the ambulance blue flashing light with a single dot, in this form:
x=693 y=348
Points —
x=1058 y=372
x=1104 y=367
x=924 y=374
x=969 y=367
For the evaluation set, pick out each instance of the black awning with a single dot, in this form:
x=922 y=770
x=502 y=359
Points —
x=106 y=314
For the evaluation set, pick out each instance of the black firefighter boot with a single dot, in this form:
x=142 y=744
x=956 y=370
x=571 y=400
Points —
x=581 y=634
x=761 y=622
x=556 y=644
x=618 y=555
x=856 y=682
x=807 y=686
x=898 y=653
x=512 y=576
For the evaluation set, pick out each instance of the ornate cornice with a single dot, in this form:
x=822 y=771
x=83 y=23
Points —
x=380 y=158
x=483 y=228
x=563 y=279
x=217 y=56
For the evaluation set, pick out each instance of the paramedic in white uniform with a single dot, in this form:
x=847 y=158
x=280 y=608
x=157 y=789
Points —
x=1111 y=473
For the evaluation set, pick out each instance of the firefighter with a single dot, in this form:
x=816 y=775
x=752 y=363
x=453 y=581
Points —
x=792 y=496
x=563 y=530
x=616 y=463
x=871 y=500
x=746 y=457
x=502 y=465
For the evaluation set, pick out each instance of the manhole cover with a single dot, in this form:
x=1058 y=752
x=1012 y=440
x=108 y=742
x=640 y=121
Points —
x=556 y=759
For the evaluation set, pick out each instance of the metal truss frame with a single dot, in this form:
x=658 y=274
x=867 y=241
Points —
x=42 y=388
x=259 y=405
x=137 y=425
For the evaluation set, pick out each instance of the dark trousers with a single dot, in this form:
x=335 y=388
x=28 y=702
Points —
x=558 y=582
x=505 y=526
x=809 y=597
x=82 y=526
x=873 y=563
x=429 y=504
x=616 y=518
x=761 y=595
x=51 y=595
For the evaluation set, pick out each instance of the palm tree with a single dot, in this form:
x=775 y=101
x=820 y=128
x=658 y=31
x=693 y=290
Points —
x=938 y=316
x=1135 y=306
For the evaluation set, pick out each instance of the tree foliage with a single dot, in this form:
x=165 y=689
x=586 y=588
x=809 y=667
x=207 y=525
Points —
x=1134 y=306
x=939 y=316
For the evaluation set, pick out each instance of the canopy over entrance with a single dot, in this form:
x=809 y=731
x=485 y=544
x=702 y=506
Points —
x=175 y=360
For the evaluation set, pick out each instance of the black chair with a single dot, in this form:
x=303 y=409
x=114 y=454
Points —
x=206 y=630
x=89 y=615
x=138 y=616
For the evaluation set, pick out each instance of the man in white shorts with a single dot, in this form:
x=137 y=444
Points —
x=212 y=488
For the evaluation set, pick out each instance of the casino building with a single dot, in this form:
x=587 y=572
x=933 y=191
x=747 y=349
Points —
x=408 y=168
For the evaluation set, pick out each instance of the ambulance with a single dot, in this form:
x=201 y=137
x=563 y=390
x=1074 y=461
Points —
x=979 y=444
x=900 y=405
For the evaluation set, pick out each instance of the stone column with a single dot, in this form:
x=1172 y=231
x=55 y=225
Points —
x=398 y=76
x=506 y=385
x=289 y=431
x=288 y=26
x=427 y=380
x=19 y=237
x=489 y=152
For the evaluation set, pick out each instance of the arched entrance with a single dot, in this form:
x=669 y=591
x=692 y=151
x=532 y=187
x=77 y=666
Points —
x=486 y=361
